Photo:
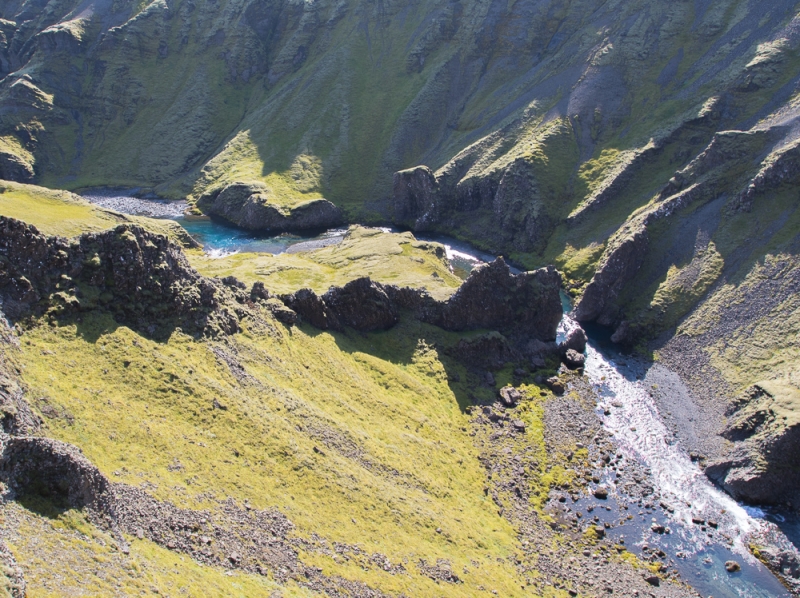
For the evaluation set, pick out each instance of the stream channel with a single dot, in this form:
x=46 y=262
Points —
x=629 y=413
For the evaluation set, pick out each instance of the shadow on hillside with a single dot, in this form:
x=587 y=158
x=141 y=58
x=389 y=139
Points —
x=43 y=505
x=430 y=350
x=91 y=326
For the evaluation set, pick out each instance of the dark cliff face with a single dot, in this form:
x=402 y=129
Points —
x=523 y=306
x=140 y=277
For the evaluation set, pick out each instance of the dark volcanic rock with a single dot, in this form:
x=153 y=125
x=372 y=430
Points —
x=521 y=306
x=362 y=304
x=573 y=359
x=556 y=385
x=12 y=168
x=311 y=308
x=763 y=467
x=616 y=269
x=414 y=195
x=17 y=416
x=138 y=276
x=510 y=396
x=526 y=304
x=489 y=351
x=576 y=339
x=248 y=206
x=56 y=471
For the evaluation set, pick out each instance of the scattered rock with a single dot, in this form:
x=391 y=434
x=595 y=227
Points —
x=14 y=576
x=732 y=566
x=601 y=492
x=556 y=385
x=510 y=396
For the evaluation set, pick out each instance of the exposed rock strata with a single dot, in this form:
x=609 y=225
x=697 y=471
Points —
x=523 y=306
x=764 y=465
x=249 y=206
x=140 y=277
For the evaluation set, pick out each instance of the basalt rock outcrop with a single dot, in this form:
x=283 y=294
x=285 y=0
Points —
x=763 y=466
x=142 y=278
x=249 y=207
x=414 y=197
x=526 y=304
x=362 y=304
x=56 y=471
x=521 y=306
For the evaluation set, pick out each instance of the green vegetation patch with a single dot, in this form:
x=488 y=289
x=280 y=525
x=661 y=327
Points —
x=389 y=258
x=65 y=214
x=360 y=439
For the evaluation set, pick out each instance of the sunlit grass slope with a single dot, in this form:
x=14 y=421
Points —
x=389 y=258
x=65 y=214
x=359 y=439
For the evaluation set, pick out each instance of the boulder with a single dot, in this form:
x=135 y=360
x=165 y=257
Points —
x=414 y=193
x=576 y=340
x=555 y=384
x=510 y=396
x=361 y=304
x=249 y=206
x=574 y=360
x=732 y=566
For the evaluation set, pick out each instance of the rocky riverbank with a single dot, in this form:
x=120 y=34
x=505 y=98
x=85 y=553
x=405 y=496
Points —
x=126 y=202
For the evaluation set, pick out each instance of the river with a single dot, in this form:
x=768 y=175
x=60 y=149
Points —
x=628 y=412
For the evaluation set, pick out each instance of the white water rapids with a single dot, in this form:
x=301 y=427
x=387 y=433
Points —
x=630 y=414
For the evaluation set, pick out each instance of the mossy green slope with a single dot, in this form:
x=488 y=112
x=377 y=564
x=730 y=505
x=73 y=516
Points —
x=64 y=214
x=359 y=439
x=331 y=98
x=388 y=258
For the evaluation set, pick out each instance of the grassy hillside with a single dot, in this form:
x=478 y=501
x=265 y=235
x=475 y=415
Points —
x=365 y=442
